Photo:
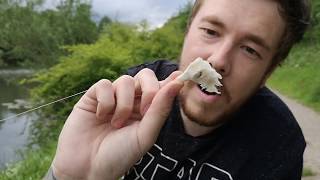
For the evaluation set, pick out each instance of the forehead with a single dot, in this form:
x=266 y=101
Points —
x=258 y=17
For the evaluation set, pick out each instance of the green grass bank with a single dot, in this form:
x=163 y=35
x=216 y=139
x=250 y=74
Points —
x=34 y=165
x=299 y=76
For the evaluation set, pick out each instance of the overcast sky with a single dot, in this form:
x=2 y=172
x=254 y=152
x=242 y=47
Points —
x=156 y=12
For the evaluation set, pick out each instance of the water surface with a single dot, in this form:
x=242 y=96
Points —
x=13 y=132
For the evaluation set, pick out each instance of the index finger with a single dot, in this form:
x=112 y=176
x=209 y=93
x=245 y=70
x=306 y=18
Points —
x=157 y=114
x=146 y=86
x=171 y=77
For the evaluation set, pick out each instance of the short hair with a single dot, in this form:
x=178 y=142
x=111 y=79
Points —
x=296 y=14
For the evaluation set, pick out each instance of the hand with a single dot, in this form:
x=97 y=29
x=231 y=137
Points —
x=113 y=125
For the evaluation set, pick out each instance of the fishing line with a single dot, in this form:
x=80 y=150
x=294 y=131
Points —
x=44 y=105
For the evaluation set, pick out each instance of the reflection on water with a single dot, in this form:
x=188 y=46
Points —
x=14 y=132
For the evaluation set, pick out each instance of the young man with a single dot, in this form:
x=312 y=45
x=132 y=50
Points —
x=135 y=127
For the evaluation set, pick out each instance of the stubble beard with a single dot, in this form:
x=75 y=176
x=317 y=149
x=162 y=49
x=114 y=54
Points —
x=203 y=120
x=221 y=117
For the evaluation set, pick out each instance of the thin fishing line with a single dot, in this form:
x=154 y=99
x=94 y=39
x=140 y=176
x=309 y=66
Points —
x=44 y=105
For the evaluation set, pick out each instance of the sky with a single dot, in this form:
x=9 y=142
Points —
x=156 y=12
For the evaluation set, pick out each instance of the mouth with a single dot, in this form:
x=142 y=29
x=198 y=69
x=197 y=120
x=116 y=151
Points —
x=204 y=90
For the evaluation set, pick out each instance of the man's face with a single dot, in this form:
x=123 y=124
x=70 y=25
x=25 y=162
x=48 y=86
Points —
x=239 y=38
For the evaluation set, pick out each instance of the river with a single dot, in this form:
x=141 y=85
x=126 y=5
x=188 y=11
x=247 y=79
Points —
x=13 y=132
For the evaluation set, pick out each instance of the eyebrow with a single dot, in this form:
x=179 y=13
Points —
x=251 y=37
x=214 y=21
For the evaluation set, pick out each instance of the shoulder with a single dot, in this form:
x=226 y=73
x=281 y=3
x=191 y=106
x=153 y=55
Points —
x=162 y=68
x=273 y=137
x=272 y=109
x=270 y=120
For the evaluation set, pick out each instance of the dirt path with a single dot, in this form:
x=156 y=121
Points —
x=309 y=121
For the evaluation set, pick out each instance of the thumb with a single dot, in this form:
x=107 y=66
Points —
x=157 y=113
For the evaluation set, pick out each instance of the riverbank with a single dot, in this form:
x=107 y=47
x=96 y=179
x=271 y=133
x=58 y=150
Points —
x=14 y=133
x=35 y=164
x=19 y=160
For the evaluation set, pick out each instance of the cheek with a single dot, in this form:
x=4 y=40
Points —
x=246 y=77
x=244 y=84
x=249 y=71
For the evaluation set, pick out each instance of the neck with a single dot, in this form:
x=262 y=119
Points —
x=194 y=129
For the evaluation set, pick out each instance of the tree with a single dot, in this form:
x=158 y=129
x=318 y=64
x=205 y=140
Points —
x=103 y=22
x=31 y=36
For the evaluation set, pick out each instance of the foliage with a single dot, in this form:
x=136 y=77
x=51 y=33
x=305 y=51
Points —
x=299 y=76
x=35 y=164
x=315 y=13
x=313 y=35
x=103 y=22
x=31 y=36
x=166 y=42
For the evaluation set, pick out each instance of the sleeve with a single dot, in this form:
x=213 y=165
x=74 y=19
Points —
x=277 y=142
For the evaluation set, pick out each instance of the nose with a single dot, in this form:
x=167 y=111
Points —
x=221 y=58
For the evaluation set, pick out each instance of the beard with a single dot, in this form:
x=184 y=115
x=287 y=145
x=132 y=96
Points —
x=202 y=119
x=220 y=114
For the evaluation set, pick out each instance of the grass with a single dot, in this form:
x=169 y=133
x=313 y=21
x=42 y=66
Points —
x=307 y=172
x=299 y=78
x=34 y=166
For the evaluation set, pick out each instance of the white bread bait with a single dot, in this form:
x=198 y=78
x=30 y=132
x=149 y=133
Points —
x=200 y=72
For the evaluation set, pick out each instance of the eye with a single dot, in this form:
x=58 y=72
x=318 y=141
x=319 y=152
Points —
x=210 y=33
x=251 y=52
